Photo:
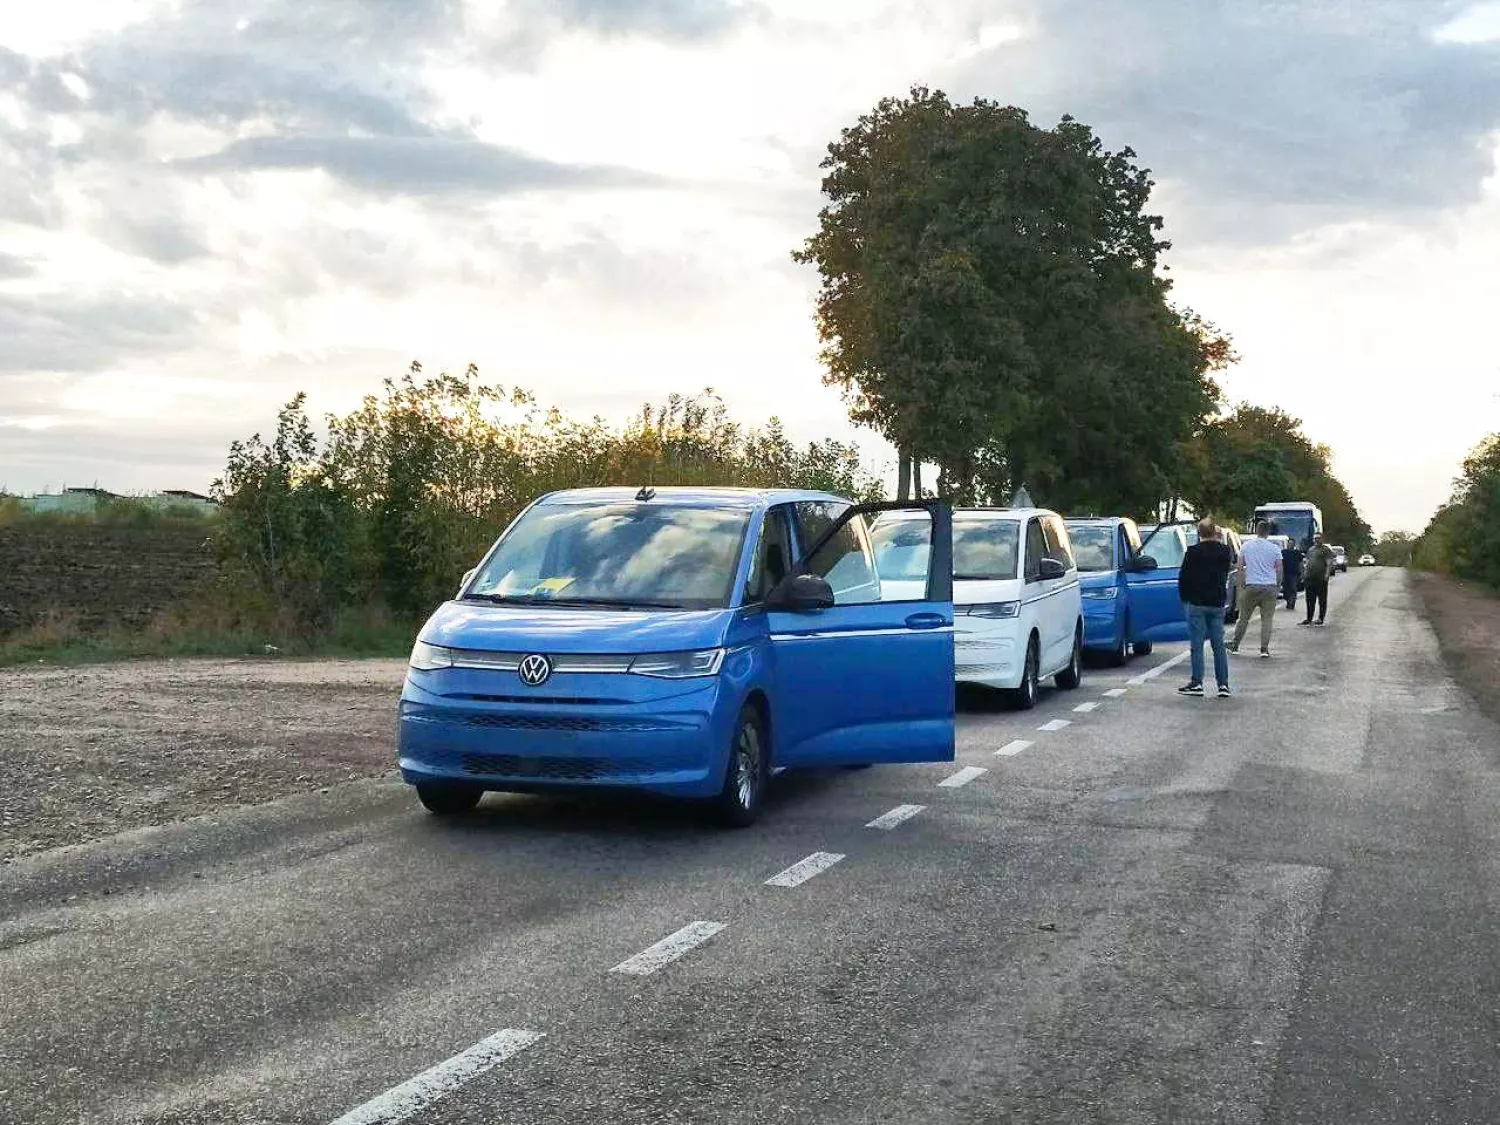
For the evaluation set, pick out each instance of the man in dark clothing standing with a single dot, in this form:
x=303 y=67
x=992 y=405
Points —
x=1291 y=572
x=1316 y=568
x=1201 y=584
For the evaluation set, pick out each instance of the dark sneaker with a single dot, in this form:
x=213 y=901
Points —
x=1234 y=649
x=1307 y=622
x=1265 y=654
x=1224 y=692
x=1191 y=689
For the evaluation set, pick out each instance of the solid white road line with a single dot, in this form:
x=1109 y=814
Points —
x=898 y=815
x=1011 y=749
x=804 y=869
x=1084 y=708
x=1056 y=724
x=664 y=952
x=1147 y=677
x=400 y=1102
x=962 y=777
x=1114 y=693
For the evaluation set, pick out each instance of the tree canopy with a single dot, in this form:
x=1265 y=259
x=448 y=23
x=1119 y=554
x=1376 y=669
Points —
x=991 y=302
x=1257 y=454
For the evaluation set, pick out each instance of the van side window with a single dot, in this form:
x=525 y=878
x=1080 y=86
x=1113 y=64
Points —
x=1059 y=546
x=773 y=556
x=847 y=560
x=1036 y=549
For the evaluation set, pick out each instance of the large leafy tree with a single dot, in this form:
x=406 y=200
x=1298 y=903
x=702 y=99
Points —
x=1257 y=454
x=990 y=301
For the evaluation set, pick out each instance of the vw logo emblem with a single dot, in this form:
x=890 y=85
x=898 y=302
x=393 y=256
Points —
x=535 y=670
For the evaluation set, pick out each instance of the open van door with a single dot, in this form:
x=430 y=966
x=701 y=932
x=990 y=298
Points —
x=864 y=670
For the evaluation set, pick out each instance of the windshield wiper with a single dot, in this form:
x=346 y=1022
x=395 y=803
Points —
x=978 y=578
x=617 y=603
x=607 y=603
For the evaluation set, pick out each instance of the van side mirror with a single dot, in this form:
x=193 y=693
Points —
x=468 y=576
x=801 y=593
x=1143 y=562
x=1052 y=569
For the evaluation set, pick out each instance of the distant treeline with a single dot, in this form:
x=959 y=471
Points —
x=1463 y=538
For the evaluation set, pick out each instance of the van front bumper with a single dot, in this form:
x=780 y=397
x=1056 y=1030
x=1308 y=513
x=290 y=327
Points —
x=676 y=745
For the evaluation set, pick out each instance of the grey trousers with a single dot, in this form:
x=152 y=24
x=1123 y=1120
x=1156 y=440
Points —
x=1263 y=598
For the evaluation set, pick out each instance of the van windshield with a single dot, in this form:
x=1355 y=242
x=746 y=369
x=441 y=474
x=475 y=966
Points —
x=1093 y=546
x=644 y=556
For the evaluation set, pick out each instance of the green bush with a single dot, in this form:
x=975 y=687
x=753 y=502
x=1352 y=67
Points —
x=407 y=492
x=1463 y=537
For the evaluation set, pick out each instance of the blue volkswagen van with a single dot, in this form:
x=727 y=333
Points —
x=685 y=641
x=1129 y=585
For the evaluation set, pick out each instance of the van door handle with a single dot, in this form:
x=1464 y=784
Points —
x=926 y=621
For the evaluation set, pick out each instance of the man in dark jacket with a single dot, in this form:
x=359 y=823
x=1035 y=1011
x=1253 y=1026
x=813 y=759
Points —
x=1315 y=569
x=1201 y=584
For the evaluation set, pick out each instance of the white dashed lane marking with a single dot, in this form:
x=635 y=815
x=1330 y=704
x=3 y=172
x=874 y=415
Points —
x=804 y=869
x=1056 y=724
x=1147 y=677
x=1114 y=693
x=401 y=1102
x=962 y=777
x=898 y=815
x=1084 y=708
x=664 y=952
x=1011 y=749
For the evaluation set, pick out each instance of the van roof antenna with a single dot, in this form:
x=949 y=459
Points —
x=646 y=493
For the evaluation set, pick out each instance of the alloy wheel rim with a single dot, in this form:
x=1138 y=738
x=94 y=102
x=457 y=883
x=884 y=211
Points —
x=747 y=764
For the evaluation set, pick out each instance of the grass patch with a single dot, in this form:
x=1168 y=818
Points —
x=59 y=642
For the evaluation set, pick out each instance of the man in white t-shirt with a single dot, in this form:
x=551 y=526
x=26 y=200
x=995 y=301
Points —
x=1260 y=586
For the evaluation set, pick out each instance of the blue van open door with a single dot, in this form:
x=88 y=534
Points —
x=864 y=669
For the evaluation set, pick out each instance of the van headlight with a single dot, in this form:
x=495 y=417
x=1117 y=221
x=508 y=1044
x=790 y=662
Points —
x=428 y=658
x=994 y=610
x=679 y=665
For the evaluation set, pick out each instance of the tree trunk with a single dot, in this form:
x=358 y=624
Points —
x=916 y=475
x=903 y=475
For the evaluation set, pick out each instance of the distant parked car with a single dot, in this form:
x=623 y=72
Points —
x=1017 y=618
x=1129 y=588
x=1366 y=560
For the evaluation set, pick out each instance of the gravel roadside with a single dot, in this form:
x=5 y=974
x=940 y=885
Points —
x=1467 y=622
x=90 y=751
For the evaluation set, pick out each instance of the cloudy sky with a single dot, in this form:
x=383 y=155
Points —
x=207 y=205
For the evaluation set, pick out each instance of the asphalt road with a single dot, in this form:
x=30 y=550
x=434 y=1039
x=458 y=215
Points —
x=1273 y=908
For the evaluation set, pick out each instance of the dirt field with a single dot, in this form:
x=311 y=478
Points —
x=1467 y=622
x=90 y=751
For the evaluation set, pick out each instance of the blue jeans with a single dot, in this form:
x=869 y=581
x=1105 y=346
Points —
x=1207 y=623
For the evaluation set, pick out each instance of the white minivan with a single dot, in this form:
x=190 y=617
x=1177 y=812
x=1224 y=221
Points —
x=1018 y=610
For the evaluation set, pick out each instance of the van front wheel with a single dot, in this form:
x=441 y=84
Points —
x=1072 y=676
x=745 y=773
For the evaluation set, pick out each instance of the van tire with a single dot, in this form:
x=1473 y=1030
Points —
x=746 y=772
x=1142 y=648
x=1119 y=656
x=449 y=800
x=1024 y=698
x=1072 y=676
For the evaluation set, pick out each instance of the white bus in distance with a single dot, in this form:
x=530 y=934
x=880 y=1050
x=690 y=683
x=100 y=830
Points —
x=1298 y=520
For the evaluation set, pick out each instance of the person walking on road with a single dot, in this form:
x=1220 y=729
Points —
x=1316 y=569
x=1260 y=577
x=1201 y=584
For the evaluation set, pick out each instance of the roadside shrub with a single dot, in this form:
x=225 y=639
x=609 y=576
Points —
x=1463 y=537
x=402 y=495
